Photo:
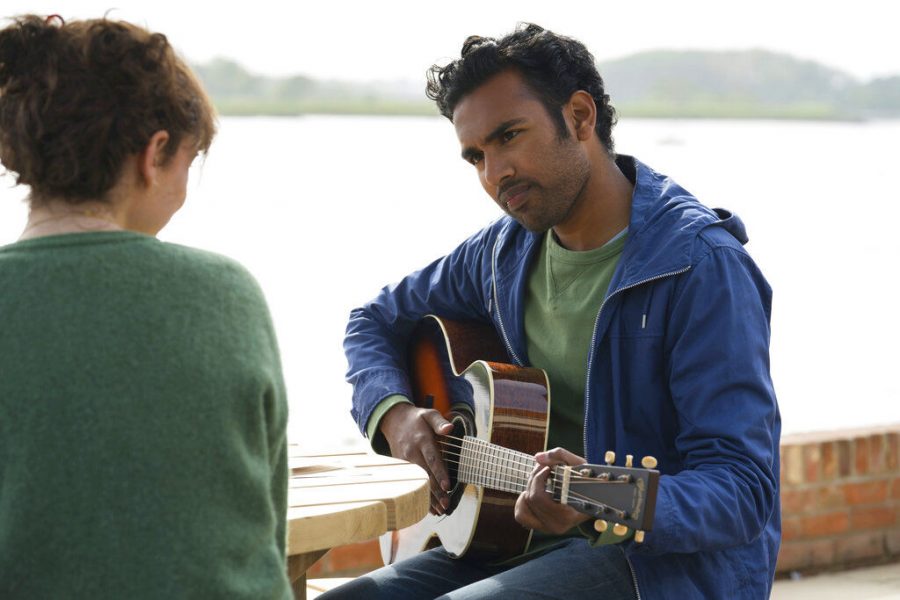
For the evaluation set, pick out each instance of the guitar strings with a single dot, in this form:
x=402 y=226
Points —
x=522 y=479
x=522 y=469
x=525 y=461
x=481 y=462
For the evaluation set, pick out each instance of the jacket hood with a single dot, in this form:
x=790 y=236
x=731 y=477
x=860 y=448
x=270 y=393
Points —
x=665 y=222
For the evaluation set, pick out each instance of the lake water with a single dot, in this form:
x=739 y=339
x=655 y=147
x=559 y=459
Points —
x=326 y=210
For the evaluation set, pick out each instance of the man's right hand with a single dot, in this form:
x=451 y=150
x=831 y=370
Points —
x=410 y=431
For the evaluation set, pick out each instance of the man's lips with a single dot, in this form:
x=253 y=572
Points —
x=514 y=196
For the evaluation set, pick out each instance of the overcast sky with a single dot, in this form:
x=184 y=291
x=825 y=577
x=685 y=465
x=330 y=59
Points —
x=400 y=39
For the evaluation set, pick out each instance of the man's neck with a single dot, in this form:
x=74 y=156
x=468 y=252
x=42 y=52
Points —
x=602 y=211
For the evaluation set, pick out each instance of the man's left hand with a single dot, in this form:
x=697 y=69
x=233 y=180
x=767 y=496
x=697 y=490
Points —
x=535 y=508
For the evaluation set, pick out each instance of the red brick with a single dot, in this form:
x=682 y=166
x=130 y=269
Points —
x=870 y=492
x=812 y=458
x=356 y=558
x=826 y=524
x=859 y=548
x=877 y=451
x=796 y=502
x=793 y=464
x=830 y=497
x=829 y=461
x=791 y=529
x=843 y=452
x=895 y=493
x=321 y=568
x=873 y=517
x=861 y=456
x=893 y=451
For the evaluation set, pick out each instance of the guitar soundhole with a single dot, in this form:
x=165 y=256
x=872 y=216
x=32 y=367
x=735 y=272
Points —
x=463 y=425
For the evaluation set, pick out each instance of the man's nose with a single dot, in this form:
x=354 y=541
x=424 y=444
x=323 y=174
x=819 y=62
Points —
x=497 y=169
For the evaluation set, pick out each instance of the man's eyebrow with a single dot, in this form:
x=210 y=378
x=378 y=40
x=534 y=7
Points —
x=499 y=130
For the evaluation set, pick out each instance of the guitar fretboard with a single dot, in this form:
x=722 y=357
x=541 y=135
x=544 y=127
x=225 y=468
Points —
x=494 y=467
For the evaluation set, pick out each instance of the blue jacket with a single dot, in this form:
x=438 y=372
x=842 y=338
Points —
x=678 y=369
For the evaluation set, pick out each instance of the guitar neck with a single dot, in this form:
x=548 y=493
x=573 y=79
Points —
x=624 y=495
x=493 y=466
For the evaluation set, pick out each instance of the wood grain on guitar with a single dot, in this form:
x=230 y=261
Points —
x=500 y=413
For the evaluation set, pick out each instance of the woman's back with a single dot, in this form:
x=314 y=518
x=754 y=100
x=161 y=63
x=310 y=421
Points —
x=142 y=423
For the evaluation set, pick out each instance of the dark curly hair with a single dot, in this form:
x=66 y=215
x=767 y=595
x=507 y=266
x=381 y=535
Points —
x=553 y=66
x=76 y=99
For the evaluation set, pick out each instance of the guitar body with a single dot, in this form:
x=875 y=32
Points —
x=461 y=370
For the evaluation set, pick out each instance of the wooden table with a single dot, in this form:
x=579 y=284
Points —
x=337 y=499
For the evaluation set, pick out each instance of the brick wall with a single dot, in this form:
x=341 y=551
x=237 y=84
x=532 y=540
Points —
x=348 y=561
x=840 y=500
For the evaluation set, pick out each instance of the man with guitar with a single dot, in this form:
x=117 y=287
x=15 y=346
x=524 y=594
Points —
x=649 y=317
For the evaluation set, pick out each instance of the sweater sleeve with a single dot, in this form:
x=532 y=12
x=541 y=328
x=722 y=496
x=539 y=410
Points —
x=276 y=410
x=727 y=413
x=262 y=344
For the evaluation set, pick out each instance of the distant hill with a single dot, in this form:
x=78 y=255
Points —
x=236 y=91
x=662 y=83
x=750 y=83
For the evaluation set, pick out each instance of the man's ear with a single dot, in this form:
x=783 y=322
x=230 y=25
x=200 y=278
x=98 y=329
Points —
x=152 y=157
x=583 y=113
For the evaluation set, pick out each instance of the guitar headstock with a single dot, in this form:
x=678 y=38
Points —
x=624 y=496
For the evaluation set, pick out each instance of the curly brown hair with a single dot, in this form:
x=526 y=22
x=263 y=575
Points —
x=77 y=99
x=553 y=66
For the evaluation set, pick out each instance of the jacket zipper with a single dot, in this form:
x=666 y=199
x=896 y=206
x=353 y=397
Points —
x=587 y=391
x=637 y=592
x=509 y=349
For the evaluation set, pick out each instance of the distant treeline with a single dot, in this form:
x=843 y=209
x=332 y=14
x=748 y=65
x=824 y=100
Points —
x=695 y=84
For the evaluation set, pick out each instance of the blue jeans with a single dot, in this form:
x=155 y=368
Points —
x=571 y=570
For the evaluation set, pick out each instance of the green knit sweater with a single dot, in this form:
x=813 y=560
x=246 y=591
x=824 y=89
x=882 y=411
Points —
x=142 y=424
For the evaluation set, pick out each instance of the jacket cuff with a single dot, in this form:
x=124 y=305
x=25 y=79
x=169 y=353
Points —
x=372 y=386
x=376 y=438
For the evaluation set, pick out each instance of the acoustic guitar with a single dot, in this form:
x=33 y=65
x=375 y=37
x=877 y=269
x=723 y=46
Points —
x=500 y=414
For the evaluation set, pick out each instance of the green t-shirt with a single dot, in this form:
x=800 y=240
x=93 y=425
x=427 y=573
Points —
x=565 y=291
x=142 y=423
x=564 y=294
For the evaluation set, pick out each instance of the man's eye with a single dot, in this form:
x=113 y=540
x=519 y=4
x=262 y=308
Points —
x=475 y=158
x=508 y=135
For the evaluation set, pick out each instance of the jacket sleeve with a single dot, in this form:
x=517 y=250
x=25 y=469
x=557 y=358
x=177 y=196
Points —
x=729 y=425
x=455 y=287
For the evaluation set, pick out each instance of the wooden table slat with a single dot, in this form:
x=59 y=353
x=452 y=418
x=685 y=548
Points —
x=336 y=499
x=317 y=527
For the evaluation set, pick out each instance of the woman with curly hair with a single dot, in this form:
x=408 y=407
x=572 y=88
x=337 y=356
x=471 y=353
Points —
x=142 y=405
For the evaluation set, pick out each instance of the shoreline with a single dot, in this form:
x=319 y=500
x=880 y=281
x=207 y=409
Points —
x=415 y=109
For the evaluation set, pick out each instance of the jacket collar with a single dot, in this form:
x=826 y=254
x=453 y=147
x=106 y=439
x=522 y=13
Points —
x=665 y=220
x=664 y=224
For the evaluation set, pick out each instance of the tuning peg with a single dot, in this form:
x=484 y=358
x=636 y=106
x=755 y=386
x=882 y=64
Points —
x=648 y=462
x=610 y=457
x=620 y=529
x=585 y=472
x=601 y=525
x=629 y=460
x=638 y=536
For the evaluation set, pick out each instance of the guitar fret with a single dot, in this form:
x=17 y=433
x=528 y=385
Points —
x=492 y=466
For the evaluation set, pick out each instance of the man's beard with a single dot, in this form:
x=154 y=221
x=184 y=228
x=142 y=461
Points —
x=551 y=205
